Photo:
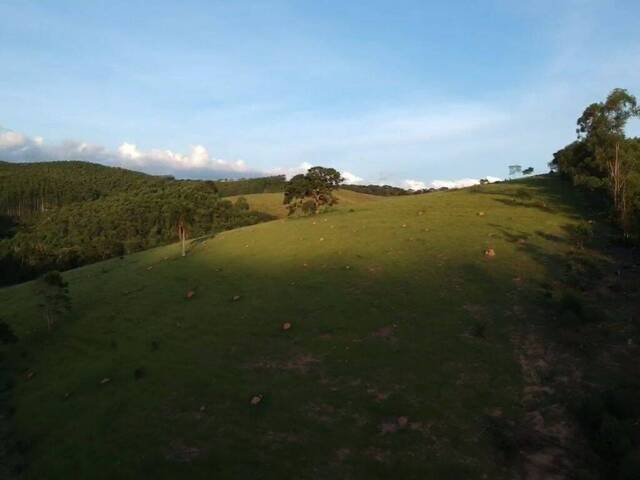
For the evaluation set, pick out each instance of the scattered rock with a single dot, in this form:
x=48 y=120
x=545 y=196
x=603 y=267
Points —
x=481 y=214
x=190 y=294
x=256 y=399
x=489 y=252
x=236 y=298
x=404 y=225
x=322 y=239
x=286 y=326
x=105 y=380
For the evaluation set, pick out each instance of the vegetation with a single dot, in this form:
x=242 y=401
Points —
x=382 y=190
x=399 y=359
x=61 y=215
x=53 y=294
x=604 y=161
x=312 y=191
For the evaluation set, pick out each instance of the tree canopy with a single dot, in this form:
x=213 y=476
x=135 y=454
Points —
x=312 y=191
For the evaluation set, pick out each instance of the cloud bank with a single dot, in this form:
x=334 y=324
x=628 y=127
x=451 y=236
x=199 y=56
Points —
x=18 y=147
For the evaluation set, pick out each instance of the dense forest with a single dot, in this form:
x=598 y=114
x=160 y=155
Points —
x=60 y=215
x=382 y=190
x=604 y=162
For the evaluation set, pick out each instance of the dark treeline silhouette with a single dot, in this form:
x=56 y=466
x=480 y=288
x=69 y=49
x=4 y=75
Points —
x=382 y=190
x=60 y=215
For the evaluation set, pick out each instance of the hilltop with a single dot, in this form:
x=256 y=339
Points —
x=415 y=347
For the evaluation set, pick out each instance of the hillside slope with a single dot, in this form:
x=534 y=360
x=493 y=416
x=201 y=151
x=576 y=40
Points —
x=401 y=342
x=271 y=203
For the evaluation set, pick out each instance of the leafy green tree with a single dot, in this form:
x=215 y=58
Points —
x=311 y=191
x=53 y=293
x=601 y=126
x=527 y=171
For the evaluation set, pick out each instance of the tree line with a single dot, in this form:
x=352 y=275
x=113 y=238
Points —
x=604 y=161
x=61 y=215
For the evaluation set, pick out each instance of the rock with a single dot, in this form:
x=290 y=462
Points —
x=30 y=375
x=105 y=380
x=236 y=298
x=481 y=214
x=489 y=252
x=403 y=422
x=190 y=294
x=522 y=241
x=286 y=326
x=404 y=225
x=256 y=399
x=149 y=268
x=203 y=408
x=348 y=267
x=321 y=239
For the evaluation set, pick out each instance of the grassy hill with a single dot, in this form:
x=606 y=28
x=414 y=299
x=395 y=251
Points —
x=403 y=341
x=271 y=203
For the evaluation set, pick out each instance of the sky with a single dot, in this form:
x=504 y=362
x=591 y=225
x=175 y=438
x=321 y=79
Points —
x=409 y=93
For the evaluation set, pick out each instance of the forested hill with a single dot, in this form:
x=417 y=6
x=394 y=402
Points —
x=60 y=215
x=26 y=188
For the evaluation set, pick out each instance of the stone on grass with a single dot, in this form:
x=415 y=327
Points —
x=481 y=214
x=489 y=252
x=256 y=399
x=190 y=294
x=236 y=298
x=286 y=326
x=403 y=422
x=105 y=380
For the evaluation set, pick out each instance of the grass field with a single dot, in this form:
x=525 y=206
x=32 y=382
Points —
x=271 y=203
x=401 y=342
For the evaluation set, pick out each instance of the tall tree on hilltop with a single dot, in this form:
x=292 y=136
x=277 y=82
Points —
x=601 y=126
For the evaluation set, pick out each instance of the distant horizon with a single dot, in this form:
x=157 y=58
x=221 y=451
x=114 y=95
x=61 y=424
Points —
x=406 y=93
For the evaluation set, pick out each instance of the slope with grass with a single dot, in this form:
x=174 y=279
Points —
x=271 y=203
x=401 y=342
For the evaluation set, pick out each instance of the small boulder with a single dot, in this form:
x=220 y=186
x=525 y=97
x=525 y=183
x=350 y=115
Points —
x=236 y=298
x=286 y=326
x=481 y=214
x=489 y=252
x=403 y=422
x=190 y=294
x=256 y=399
x=105 y=380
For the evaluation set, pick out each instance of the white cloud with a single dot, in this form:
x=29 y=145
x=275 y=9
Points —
x=17 y=147
x=414 y=184
x=197 y=159
x=351 y=178
x=460 y=183
x=290 y=171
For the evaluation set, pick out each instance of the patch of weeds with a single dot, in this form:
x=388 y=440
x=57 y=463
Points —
x=581 y=233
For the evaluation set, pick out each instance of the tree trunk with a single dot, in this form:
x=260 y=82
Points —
x=184 y=253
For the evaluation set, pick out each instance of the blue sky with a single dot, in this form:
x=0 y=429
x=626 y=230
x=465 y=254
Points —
x=401 y=92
